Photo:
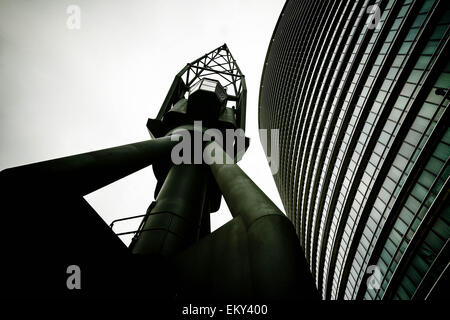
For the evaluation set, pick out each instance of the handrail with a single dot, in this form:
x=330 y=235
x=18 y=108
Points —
x=123 y=219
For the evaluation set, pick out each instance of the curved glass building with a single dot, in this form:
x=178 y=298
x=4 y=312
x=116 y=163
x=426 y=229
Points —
x=359 y=91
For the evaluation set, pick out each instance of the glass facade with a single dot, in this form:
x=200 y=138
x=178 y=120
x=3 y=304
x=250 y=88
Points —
x=361 y=105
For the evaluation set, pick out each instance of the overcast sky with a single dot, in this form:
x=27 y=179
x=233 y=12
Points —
x=67 y=91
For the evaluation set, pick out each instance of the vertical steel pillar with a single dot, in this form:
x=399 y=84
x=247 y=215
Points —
x=174 y=222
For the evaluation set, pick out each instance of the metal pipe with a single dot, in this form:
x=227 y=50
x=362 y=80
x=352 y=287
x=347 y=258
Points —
x=174 y=222
x=241 y=194
x=279 y=268
x=87 y=172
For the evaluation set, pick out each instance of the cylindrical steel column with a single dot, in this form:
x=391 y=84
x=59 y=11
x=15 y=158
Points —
x=241 y=194
x=279 y=268
x=87 y=172
x=174 y=222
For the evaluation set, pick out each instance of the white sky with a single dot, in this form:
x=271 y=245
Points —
x=64 y=92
